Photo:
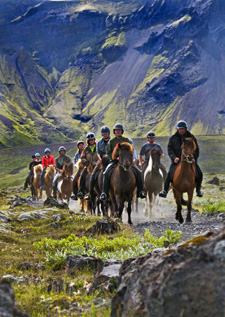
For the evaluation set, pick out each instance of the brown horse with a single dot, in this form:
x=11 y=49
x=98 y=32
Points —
x=65 y=182
x=122 y=180
x=35 y=186
x=154 y=175
x=184 y=179
x=49 y=175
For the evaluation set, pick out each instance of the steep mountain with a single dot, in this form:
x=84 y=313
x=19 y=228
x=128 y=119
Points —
x=70 y=66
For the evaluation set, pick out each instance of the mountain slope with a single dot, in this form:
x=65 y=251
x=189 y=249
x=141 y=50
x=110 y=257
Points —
x=67 y=67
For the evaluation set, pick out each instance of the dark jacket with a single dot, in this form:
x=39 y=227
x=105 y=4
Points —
x=174 y=145
x=59 y=162
x=113 y=142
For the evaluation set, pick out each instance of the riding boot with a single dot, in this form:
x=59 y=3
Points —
x=198 y=179
x=140 y=191
x=89 y=195
x=80 y=193
x=42 y=178
x=106 y=178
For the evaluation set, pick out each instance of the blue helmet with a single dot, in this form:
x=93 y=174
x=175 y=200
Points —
x=181 y=124
x=37 y=154
x=151 y=134
x=105 y=129
x=131 y=141
x=90 y=135
x=47 y=150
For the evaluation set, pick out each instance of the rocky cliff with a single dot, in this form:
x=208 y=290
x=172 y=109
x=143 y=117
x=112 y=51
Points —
x=69 y=66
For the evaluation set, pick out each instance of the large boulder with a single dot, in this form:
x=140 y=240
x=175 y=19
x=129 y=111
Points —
x=187 y=281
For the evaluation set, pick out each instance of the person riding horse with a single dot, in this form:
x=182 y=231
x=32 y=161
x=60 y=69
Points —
x=118 y=130
x=59 y=162
x=88 y=156
x=174 y=152
x=101 y=151
x=77 y=156
x=47 y=159
x=35 y=161
x=146 y=148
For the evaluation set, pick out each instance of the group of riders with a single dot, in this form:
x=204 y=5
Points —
x=94 y=152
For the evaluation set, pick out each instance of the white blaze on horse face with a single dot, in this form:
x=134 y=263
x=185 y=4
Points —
x=60 y=185
x=149 y=167
x=160 y=172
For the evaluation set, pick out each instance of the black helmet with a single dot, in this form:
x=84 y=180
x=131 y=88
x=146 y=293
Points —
x=90 y=135
x=181 y=124
x=151 y=134
x=80 y=142
x=118 y=126
x=62 y=148
x=105 y=129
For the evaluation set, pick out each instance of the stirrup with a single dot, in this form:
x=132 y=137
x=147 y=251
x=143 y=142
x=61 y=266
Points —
x=42 y=187
x=163 y=194
x=142 y=194
x=103 y=196
x=80 y=195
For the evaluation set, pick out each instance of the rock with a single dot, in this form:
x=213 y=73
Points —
x=51 y=202
x=31 y=215
x=58 y=217
x=104 y=226
x=185 y=282
x=4 y=218
x=7 y=301
x=214 y=181
x=19 y=201
x=58 y=286
x=107 y=280
x=20 y=279
x=78 y=262
x=25 y=266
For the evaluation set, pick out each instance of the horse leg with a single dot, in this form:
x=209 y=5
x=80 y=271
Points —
x=129 y=212
x=183 y=202
x=179 y=207
x=189 y=206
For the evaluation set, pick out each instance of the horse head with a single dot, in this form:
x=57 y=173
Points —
x=155 y=154
x=38 y=170
x=125 y=152
x=188 y=147
x=67 y=170
x=50 y=171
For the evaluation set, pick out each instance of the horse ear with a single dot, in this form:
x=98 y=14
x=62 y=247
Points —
x=115 y=152
x=194 y=144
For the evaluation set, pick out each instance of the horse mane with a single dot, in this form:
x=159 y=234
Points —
x=50 y=169
x=125 y=146
x=156 y=150
x=104 y=162
x=67 y=167
x=80 y=166
x=38 y=168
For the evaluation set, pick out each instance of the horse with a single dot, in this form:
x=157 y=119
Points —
x=49 y=175
x=36 y=192
x=122 y=180
x=65 y=182
x=184 y=179
x=91 y=204
x=153 y=176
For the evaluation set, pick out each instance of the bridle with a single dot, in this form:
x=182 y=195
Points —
x=187 y=157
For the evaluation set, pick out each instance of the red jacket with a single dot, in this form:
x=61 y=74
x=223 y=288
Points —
x=47 y=161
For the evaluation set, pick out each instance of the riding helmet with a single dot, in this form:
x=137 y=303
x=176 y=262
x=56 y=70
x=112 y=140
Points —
x=37 y=154
x=62 y=148
x=151 y=134
x=47 y=150
x=181 y=124
x=80 y=142
x=118 y=126
x=131 y=141
x=105 y=130
x=90 y=135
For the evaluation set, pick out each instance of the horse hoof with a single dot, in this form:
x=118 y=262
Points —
x=176 y=217
x=181 y=220
x=188 y=221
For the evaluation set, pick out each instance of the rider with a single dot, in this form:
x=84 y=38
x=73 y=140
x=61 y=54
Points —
x=118 y=130
x=80 y=146
x=146 y=148
x=101 y=151
x=47 y=159
x=89 y=155
x=31 y=166
x=174 y=152
x=60 y=160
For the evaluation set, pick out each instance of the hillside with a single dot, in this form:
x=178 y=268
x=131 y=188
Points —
x=69 y=66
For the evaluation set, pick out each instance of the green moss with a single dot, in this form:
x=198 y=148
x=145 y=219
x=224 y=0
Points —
x=115 y=39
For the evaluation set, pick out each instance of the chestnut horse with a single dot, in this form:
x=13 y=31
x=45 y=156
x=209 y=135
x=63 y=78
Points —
x=35 y=186
x=184 y=179
x=49 y=175
x=122 y=180
x=65 y=182
x=154 y=175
